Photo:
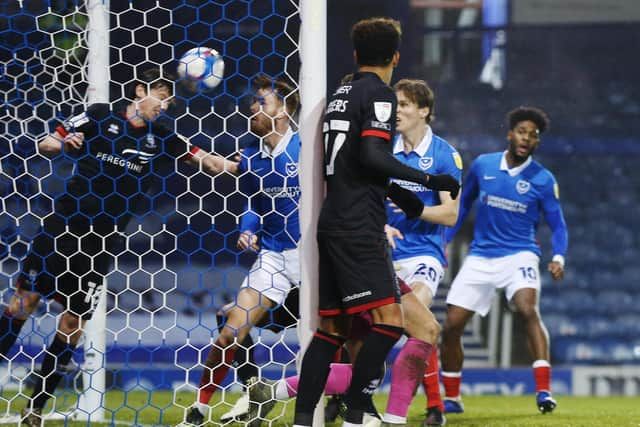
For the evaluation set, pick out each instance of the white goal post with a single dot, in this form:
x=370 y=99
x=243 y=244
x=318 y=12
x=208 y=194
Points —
x=312 y=87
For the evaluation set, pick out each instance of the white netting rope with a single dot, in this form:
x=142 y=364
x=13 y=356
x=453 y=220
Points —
x=178 y=263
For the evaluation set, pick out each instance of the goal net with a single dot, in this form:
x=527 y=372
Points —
x=178 y=263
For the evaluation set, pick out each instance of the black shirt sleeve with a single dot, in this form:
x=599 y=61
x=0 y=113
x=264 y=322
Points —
x=86 y=122
x=378 y=129
x=175 y=145
x=375 y=154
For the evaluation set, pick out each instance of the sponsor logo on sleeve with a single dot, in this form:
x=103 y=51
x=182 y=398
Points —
x=382 y=111
x=76 y=121
x=556 y=190
x=379 y=125
x=457 y=159
x=522 y=186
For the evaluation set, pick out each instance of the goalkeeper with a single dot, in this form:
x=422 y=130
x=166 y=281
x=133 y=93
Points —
x=114 y=153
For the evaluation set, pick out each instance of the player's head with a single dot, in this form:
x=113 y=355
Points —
x=152 y=93
x=274 y=103
x=416 y=103
x=525 y=126
x=376 y=42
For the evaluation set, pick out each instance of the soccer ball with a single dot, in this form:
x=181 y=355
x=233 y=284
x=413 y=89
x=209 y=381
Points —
x=202 y=65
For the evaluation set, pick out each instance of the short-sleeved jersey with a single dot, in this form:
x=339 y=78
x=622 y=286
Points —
x=114 y=166
x=365 y=106
x=511 y=202
x=270 y=180
x=435 y=156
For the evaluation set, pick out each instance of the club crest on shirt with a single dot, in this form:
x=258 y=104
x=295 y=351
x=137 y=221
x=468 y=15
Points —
x=292 y=169
x=522 y=186
x=425 y=163
x=382 y=111
x=151 y=142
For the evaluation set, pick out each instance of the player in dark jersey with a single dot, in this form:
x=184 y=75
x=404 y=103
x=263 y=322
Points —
x=356 y=273
x=115 y=153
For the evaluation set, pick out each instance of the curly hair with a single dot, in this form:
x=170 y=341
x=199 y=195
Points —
x=533 y=114
x=375 y=40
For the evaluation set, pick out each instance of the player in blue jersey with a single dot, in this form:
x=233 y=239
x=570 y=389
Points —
x=513 y=192
x=269 y=178
x=419 y=247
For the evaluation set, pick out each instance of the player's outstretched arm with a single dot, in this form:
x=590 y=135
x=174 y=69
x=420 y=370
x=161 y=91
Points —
x=470 y=193
x=52 y=144
x=374 y=154
x=446 y=213
x=213 y=164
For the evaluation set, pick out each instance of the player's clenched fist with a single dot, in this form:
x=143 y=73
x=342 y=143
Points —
x=248 y=241
x=443 y=182
x=73 y=141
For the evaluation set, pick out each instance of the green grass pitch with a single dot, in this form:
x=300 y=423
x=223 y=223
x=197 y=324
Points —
x=137 y=409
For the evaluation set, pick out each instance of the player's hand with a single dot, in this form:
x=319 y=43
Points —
x=406 y=200
x=248 y=241
x=443 y=182
x=73 y=141
x=231 y=166
x=392 y=234
x=556 y=269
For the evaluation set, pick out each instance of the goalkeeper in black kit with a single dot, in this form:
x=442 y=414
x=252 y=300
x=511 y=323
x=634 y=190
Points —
x=356 y=272
x=115 y=154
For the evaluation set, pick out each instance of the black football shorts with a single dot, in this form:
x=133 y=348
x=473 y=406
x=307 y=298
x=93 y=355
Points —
x=356 y=273
x=69 y=267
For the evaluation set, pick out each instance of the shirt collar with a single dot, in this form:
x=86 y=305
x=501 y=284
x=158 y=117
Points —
x=421 y=149
x=279 y=149
x=513 y=171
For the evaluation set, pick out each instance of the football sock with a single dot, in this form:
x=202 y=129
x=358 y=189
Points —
x=10 y=327
x=366 y=370
x=216 y=368
x=337 y=382
x=315 y=370
x=451 y=382
x=56 y=358
x=431 y=382
x=542 y=375
x=243 y=360
x=407 y=372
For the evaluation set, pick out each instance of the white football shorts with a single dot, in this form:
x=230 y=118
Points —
x=273 y=274
x=423 y=269
x=479 y=278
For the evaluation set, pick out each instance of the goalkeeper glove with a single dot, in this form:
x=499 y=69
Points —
x=406 y=200
x=443 y=182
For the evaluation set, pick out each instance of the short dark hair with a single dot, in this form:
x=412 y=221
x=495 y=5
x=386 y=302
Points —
x=418 y=92
x=533 y=114
x=375 y=40
x=288 y=93
x=151 y=78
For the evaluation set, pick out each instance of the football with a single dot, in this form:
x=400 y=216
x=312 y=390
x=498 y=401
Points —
x=202 y=65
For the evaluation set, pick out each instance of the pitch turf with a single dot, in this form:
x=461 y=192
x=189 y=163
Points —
x=136 y=409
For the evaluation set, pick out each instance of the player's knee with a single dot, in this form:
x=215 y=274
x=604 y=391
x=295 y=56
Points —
x=529 y=313
x=452 y=331
x=390 y=314
x=23 y=303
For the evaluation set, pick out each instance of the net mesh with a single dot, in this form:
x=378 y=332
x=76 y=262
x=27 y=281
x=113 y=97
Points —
x=178 y=263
